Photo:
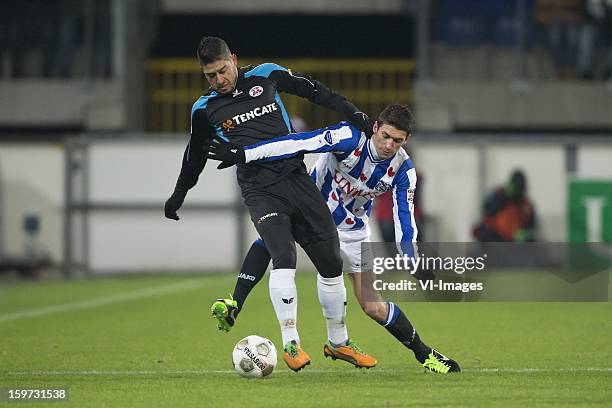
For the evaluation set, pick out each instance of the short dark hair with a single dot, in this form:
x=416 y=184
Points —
x=398 y=116
x=212 y=49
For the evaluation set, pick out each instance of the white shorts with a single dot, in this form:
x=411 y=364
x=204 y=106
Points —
x=351 y=249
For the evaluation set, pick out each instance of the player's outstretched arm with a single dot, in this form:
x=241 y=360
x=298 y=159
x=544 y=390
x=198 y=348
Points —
x=338 y=138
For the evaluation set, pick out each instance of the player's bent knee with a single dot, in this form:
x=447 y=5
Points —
x=325 y=256
x=332 y=269
x=285 y=260
x=375 y=310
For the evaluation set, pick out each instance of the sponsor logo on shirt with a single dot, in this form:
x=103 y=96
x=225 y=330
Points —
x=227 y=125
x=331 y=137
x=254 y=113
x=349 y=188
x=328 y=137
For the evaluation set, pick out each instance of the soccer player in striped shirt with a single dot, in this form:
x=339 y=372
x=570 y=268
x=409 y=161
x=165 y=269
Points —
x=353 y=169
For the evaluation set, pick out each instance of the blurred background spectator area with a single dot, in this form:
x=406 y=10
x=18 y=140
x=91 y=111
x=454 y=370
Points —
x=465 y=65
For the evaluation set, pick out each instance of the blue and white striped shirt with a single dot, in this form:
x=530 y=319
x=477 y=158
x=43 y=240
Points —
x=350 y=175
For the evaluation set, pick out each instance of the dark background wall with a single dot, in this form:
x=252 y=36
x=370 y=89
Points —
x=286 y=36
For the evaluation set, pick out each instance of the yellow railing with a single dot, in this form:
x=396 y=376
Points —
x=173 y=85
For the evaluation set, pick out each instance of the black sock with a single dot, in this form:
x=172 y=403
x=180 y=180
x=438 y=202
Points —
x=253 y=269
x=400 y=327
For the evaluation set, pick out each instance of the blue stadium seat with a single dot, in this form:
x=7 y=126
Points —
x=479 y=22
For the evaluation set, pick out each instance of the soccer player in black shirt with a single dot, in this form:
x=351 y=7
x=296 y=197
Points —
x=243 y=105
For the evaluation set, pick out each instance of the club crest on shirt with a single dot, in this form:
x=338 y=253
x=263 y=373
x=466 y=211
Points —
x=255 y=91
x=382 y=186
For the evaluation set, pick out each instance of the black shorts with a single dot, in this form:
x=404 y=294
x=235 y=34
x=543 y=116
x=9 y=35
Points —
x=295 y=201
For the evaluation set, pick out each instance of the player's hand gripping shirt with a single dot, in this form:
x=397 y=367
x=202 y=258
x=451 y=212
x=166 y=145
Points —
x=349 y=175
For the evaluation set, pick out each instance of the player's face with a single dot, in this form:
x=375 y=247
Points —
x=388 y=140
x=222 y=74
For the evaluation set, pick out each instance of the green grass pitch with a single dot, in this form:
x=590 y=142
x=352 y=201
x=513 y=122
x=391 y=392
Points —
x=149 y=341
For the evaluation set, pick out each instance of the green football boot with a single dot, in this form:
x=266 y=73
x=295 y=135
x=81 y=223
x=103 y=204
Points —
x=224 y=310
x=438 y=363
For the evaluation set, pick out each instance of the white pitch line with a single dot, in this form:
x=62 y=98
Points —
x=112 y=373
x=103 y=301
x=538 y=370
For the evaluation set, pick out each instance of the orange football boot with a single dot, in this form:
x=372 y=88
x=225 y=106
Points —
x=295 y=357
x=350 y=353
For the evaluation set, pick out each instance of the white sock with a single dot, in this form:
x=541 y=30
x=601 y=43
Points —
x=332 y=297
x=283 y=294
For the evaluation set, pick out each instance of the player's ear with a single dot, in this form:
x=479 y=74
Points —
x=375 y=127
x=234 y=59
